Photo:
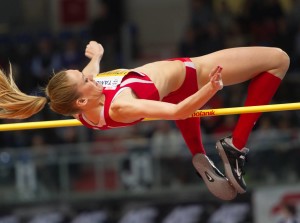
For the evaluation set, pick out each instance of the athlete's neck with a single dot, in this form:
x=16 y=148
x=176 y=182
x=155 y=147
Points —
x=93 y=115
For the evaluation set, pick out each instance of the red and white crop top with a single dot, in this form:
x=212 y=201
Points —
x=113 y=83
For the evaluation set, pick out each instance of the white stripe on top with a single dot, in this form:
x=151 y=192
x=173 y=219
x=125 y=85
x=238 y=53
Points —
x=134 y=80
x=189 y=64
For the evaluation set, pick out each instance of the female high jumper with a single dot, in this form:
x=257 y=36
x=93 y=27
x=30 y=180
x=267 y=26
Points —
x=169 y=89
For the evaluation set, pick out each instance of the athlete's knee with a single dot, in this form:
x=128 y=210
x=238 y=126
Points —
x=280 y=62
x=283 y=61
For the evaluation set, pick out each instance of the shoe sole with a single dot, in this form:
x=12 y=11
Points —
x=218 y=186
x=228 y=169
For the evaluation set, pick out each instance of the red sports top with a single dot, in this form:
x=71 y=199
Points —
x=117 y=80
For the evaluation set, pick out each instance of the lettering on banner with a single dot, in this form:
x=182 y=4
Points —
x=203 y=113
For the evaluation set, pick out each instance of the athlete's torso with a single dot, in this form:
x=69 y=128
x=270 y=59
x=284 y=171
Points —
x=150 y=87
x=166 y=75
x=114 y=82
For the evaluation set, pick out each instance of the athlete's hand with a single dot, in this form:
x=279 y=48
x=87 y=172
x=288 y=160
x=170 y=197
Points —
x=94 y=49
x=216 y=78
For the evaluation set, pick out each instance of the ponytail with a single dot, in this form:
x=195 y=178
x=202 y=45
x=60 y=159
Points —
x=14 y=104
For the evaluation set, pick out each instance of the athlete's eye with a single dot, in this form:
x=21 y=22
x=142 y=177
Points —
x=86 y=80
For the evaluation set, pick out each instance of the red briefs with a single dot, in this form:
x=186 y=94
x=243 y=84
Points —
x=144 y=88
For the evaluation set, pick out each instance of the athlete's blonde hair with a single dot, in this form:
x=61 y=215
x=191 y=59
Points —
x=14 y=104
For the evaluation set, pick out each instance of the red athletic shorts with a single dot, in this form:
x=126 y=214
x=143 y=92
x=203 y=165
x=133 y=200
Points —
x=189 y=86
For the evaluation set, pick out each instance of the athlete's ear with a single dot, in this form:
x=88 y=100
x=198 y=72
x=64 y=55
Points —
x=81 y=102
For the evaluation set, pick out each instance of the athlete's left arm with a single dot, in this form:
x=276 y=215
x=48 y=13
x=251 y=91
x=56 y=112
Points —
x=93 y=51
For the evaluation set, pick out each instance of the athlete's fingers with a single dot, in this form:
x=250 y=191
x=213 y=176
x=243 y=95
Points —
x=219 y=80
x=216 y=80
x=218 y=69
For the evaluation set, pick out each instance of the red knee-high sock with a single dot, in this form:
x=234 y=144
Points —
x=260 y=92
x=191 y=132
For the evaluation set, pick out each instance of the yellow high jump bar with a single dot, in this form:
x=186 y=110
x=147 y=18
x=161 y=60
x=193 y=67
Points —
x=198 y=113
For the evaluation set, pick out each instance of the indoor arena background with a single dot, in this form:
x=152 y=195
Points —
x=143 y=174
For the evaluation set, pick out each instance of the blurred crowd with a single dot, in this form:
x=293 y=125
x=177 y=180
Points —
x=34 y=57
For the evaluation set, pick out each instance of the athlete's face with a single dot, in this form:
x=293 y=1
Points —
x=88 y=88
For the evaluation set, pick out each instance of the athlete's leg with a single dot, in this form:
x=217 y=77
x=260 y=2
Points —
x=232 y=150
x=215 y=181
x=266 y=67
x=260 y=92
x=190 y=129
x=242 y=64
x=191 y=133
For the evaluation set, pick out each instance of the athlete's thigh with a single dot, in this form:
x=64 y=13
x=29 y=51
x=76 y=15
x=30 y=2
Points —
x=239 y=64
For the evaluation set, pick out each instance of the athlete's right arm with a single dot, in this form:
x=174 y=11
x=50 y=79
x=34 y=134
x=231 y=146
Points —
x=126 y=108
x=93 y=51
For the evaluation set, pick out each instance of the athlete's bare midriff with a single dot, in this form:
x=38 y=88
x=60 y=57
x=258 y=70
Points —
x=167 y=76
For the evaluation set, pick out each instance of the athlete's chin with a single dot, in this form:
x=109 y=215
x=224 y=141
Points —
x=100 y=87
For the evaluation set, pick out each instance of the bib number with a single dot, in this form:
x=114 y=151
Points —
x=111 y=79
